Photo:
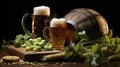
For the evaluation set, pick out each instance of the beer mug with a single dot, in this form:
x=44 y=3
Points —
x=40 y=19
x=57 y=33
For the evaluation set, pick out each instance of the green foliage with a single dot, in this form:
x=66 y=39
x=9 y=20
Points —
x=94 y=49
x=112 y=43
x=84 y=50
x=29 y=43
x=74 y=51
x=5 y=44
x=96 y=55
x=80 y=35
x=20 y=39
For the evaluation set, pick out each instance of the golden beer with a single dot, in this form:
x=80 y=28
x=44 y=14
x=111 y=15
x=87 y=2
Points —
x=57 y=33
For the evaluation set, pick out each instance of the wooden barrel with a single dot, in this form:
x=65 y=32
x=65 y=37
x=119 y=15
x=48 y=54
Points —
x=89 y=20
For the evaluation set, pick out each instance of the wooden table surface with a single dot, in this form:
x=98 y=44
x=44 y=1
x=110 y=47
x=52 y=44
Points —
x=4 y=52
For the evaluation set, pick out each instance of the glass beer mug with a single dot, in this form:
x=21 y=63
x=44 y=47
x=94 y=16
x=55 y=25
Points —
x=57 y=33
x=40 y=19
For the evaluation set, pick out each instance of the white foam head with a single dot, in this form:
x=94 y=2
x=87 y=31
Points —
x=41 y=10
x=55 y=22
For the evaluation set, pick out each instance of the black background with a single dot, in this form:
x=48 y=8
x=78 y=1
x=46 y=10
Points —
x=14 y=10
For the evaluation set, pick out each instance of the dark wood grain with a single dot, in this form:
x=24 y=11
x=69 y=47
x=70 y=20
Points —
x=4 y=52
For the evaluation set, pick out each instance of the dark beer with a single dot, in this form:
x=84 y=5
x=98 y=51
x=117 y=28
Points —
x=40 y=19
x=38 y=24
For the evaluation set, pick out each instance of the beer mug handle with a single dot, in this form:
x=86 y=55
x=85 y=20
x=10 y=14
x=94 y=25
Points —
x=45 y=35
x=23 y=23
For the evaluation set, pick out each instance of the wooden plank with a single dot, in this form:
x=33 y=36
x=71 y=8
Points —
x=29 y=55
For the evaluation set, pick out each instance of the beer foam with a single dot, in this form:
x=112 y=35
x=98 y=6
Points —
x=41 y=10
x=55 y=22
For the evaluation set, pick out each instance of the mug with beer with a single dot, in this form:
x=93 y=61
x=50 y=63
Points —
x=57 y=33
x=40 y=19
